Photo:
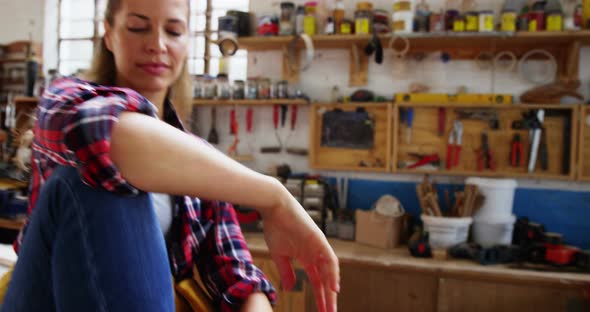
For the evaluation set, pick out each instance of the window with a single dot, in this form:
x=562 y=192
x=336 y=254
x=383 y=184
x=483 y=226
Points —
x=80 y=28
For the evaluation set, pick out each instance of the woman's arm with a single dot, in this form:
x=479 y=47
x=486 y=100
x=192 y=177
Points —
x=157 y=157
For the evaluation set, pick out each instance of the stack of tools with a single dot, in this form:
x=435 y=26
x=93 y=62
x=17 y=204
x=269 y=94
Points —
x=467 y=203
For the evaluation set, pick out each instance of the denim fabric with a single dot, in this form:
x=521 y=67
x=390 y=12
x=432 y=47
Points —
x=90 y=250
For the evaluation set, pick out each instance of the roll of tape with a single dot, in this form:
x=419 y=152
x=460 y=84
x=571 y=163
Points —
x=228 y=43
x=536 y=78
x=399 y=52
x=309 y=50
x=509 y=58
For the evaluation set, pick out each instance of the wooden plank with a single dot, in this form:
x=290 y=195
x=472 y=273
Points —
x=26 y=100
x=426 y=141
x=214 y=102
x=584 y=148
x=9 y=224
x=377 y=158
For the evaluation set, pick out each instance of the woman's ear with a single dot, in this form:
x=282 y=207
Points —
x=107 y=36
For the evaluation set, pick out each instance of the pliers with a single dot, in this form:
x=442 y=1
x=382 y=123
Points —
x=516 y=152
x=424 y=160
x=454 y=147
x=485 y=158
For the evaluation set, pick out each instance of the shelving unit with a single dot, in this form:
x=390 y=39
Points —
x=348 y=159
x=458 y=45
x=584 y=144
x=425 y=140
x=204 y=102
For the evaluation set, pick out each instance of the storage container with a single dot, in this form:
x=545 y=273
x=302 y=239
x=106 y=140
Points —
x=499 y=196
x=446 y=232
x=489 y=231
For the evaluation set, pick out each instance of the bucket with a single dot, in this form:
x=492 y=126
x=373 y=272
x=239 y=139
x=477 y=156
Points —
x=499 y=197
x=489 y=232
x=446 y=232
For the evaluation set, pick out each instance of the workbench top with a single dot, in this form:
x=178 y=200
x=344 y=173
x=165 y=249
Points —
x=353 y=253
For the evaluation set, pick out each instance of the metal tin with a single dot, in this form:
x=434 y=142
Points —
x=486 y=21
x=508 y=21
x=459 y=24
x=472 y=21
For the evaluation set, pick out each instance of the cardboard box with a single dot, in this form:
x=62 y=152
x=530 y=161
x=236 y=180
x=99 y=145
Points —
x=378 y=230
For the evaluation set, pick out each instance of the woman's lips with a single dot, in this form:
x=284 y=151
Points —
x=155 y=69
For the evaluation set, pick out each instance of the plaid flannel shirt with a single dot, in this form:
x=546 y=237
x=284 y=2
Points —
x=73 y=128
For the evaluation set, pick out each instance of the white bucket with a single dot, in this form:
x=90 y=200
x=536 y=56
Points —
x=499 y=197
x=489 y=232
x=446 y=232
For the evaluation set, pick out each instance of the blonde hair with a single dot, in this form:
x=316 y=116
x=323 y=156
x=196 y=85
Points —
x=104 y=71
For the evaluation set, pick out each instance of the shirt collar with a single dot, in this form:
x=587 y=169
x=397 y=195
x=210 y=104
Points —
x=171 y=116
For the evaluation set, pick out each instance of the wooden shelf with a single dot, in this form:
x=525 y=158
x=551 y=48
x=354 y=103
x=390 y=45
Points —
x=425 y=140
x=10 y=224
x=9 y=184
x=12 y=60
x=584 y=145
x=202 y=102
x=26 y=100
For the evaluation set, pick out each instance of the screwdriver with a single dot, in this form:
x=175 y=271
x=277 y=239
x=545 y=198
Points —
x=409 y=122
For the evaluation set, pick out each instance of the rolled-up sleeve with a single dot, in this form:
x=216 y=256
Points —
x=83 y=127
x=226 y=263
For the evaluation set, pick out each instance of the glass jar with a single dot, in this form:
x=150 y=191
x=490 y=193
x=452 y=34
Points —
x=223 y=87
x=239 y=91
x=282 y=89
x=198 y=86
x=252 y=91
x=300 y=20
x=209 y=89
x=362 y=18
x=286 y=25
x=264 y=86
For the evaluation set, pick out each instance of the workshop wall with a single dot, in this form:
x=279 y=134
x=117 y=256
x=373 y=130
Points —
x=561 y=206
x=17 y=17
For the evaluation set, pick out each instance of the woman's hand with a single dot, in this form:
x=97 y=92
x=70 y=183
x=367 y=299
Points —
x=290 y=233
x=257 y=302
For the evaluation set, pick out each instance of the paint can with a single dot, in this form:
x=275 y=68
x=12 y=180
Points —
x=508 y=21
x=472 y=21
x=486 y=21
x=554 y=20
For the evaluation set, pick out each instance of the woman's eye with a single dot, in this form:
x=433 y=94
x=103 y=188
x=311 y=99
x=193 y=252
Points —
x=136 y=29
x=175 y=33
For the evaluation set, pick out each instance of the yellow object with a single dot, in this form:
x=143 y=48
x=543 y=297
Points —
x=458 y=25
x=472 y=23
x=345 y=29
x=509 y=21
x=309 y=25
x=402 y=6
x=533 y=25
x=441 y=98
x=189 y=296
x=364 y=6
x=362 y=26
x=586 y=13
x=554 y=22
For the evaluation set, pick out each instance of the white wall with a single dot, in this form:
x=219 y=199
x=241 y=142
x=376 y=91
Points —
x=330 y=68
x=15 y=19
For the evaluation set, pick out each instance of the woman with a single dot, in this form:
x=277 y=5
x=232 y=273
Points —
x=93 y=242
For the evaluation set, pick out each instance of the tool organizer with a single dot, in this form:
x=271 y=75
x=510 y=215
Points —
x=584 y=145
x=377 y=159
x=426 y=140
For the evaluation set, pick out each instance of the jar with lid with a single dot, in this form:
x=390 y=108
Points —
x=252 y=89
x=282 y=89
x=209 y=88
x=198 y=86
x=299 y=20
x=286 y=24
x=223 y=87
x=239 y=92
x=264 y=86
x=363 y=18
x=338 y=15
x=310 y=19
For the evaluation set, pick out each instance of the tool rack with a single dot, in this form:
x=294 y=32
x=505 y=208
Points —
x=426 y=140
x=377 y=159
x=584 y=144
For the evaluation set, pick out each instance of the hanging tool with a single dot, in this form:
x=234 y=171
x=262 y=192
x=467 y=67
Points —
x=250 y=128
x=536 y=139
x=233 y=121
x=543 y=152
x=454 y=147
x=516 y=151
x=485 y=158
x=424 y=160
x=488 y=115
x=442 y=121
x=234 y=130
x=275 y=120
x=409 y=123
x=294 y=150
x=284 y=110
x=213 y=137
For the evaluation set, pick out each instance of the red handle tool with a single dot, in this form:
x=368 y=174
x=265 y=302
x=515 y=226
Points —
x=449 y=156
x=249 y=118
x=233 y=123
x=275 y=116
x=457 y=155
x=293 y=117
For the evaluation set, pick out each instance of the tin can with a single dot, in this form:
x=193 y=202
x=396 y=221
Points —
x=508 y=21
x=536 y=21
x=363 y=18
x=472 y=21
x=459 y=24
x=486 y=21
x=346 y=27
x=554 y=21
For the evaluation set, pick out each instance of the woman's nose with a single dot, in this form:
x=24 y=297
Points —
x=156 y=43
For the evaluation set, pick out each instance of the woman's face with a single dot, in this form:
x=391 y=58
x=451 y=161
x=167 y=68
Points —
x=149 y=40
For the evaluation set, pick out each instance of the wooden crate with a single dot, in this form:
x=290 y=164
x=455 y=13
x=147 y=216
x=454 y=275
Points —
x=584 y=146
x=425 y=140
x=330 y=158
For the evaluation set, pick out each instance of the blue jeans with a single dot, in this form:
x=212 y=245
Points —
x=90 y=250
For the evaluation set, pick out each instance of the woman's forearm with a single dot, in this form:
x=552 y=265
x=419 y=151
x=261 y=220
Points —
x=156 y=157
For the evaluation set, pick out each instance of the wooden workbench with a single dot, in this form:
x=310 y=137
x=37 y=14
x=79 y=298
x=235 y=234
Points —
x=374 y=279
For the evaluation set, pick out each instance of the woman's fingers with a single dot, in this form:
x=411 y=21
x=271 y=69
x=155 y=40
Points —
x=285 y=271
x=318 y=287
x=330 y=271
